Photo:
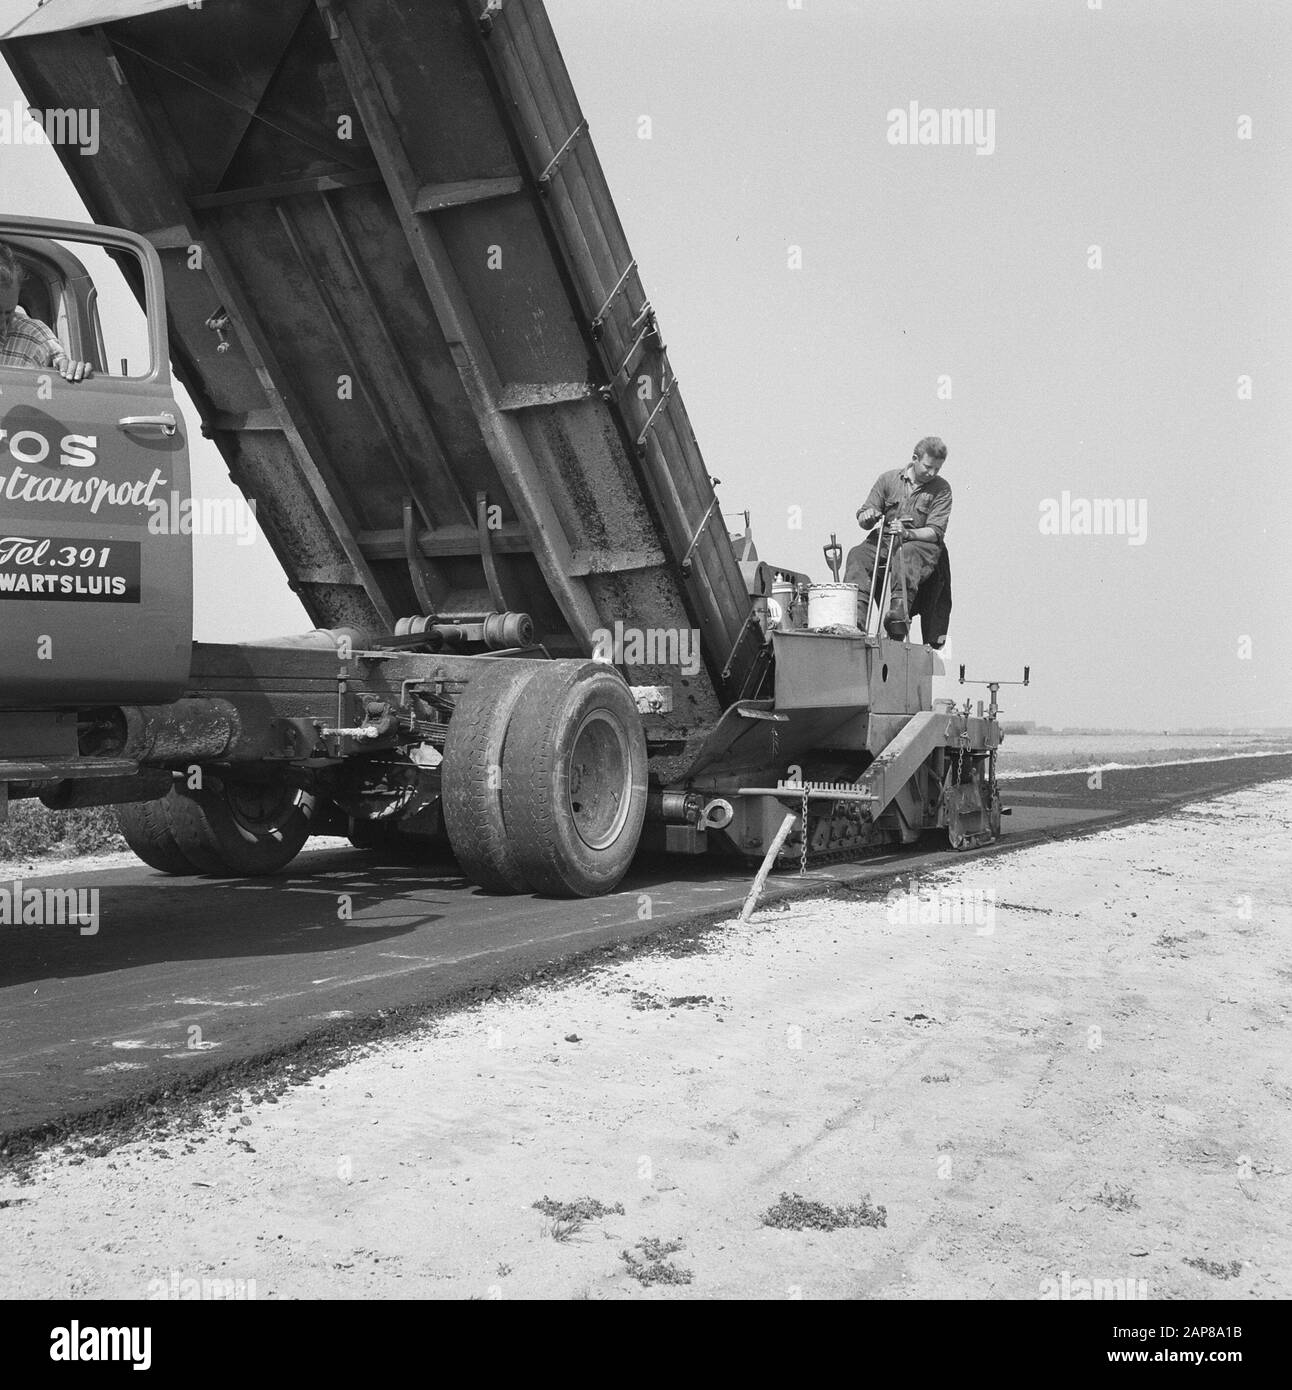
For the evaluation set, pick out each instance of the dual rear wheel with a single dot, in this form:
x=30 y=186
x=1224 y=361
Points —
x=543 y=790
x=544 y=779
x=228 y=828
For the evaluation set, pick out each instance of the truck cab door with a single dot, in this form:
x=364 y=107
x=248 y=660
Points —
x=96 y=576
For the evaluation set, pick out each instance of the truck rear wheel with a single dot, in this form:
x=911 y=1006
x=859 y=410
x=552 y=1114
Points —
x=471 y=798
x=574 y=780
x=144 y=825
x=233 y=828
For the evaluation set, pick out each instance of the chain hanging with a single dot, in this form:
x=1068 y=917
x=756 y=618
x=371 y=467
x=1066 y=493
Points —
x=803 y=853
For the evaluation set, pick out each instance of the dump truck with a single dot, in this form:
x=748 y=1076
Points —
x=373 y=241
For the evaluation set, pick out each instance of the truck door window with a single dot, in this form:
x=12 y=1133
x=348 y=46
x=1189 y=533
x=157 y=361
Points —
x=84 y=293
x=117 y=336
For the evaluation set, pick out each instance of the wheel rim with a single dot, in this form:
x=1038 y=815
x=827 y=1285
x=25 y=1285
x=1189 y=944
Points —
x=260 y=810
x=599 y=784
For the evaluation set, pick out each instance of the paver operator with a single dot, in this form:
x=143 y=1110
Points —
x=915 y=504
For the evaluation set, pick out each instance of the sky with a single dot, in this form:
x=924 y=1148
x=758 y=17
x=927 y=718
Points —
x=1094 y=307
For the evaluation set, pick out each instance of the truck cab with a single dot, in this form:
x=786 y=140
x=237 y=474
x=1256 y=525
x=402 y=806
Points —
x=95 y=592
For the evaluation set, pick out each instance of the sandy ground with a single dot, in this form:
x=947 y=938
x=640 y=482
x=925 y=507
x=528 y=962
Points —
x=1081 y=1074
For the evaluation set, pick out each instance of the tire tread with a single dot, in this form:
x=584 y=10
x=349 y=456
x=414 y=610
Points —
x=147 y=832
x=473 y=811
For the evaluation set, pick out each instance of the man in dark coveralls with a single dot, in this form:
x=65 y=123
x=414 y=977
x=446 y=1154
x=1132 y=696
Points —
x=915 y=504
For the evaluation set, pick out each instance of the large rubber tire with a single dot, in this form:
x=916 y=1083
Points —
x=574 y=780
x=147 y=832
x=228 y=831
x=471 y=778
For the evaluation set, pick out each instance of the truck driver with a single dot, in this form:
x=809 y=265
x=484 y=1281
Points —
x=25 y=341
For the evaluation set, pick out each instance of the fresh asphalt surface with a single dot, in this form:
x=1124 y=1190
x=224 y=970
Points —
x=187 y=976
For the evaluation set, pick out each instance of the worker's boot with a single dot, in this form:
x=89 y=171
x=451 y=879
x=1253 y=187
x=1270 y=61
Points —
x=896 y=623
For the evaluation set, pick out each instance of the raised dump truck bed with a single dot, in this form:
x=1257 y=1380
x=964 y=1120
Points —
x=403 y=302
